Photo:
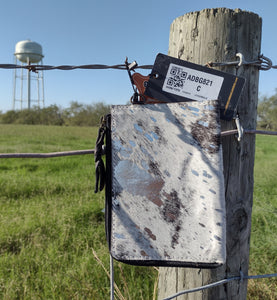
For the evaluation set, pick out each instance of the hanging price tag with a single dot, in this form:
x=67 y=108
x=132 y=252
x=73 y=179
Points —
x=175 y=80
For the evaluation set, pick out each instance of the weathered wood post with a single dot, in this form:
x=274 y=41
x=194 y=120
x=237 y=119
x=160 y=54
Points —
x=217 y=35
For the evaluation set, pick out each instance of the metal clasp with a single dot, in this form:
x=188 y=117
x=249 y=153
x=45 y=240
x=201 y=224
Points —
x=239 y=128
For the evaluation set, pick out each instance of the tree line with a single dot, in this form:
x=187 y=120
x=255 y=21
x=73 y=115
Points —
x=78 y=114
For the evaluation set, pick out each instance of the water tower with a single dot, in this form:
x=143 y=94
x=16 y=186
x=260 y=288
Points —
x=28 y=52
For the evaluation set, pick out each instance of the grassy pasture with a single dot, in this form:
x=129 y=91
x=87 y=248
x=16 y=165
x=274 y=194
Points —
x=52 y=234
x=263 y=243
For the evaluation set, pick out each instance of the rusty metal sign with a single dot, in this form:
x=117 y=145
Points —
x=168 y=206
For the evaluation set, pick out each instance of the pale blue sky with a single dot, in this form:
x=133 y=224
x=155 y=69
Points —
x=77 y=32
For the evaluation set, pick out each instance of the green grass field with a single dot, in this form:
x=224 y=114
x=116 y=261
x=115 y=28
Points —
x=52 y=235
x=263 y=245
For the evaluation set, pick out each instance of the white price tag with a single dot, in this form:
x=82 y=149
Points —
x=192 y=84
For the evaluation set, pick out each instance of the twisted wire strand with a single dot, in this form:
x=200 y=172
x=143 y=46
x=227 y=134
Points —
x=70 y=67
x=91 y=151
x=46 y=155
x=220 y=282
x=263 y=63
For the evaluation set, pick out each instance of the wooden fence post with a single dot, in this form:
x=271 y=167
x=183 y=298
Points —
x=217 y=35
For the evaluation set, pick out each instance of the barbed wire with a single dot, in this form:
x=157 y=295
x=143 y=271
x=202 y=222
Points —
x=220 y=282
x=262 y=62
x=36 y=68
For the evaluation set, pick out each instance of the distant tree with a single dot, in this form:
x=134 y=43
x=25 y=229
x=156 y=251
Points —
x=28 y=116
x=85 y=115
x=267 y=112
x=9 y=117
x=51 y=115
x=99 y=109
x=74 y=109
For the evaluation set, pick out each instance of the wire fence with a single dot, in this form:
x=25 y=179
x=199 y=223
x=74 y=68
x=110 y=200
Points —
x=92 y=151
x=36 y=68
x=220 y=282
x=46 y=155
x=262 y=62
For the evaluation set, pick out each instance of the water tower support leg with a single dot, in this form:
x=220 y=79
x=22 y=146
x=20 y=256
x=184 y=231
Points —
x=29 y=85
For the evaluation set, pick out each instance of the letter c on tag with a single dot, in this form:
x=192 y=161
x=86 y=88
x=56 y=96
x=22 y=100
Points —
x=198 y=88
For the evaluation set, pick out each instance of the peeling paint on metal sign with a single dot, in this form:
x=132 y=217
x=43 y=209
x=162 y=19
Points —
x=168 y=189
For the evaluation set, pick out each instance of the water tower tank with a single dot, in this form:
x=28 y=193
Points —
x=28 y=51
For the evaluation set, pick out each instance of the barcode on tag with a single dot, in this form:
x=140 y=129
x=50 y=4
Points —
x=192 y=84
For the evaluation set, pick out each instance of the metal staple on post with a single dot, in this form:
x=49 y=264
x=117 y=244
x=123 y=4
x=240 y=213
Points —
x=239 y=128
x=263 y=63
